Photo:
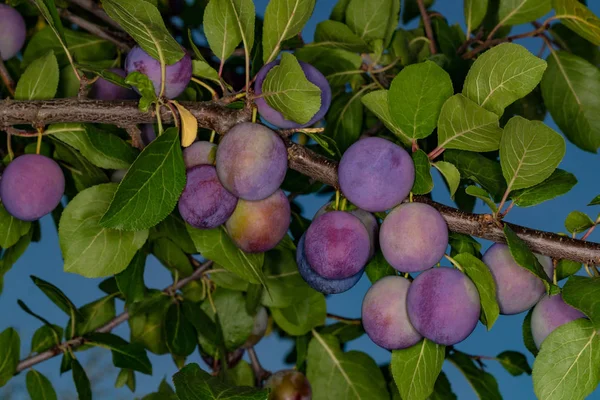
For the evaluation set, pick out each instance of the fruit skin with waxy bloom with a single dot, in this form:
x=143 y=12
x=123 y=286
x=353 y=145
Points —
x=550 y=313
x=12 y=32
x=289 y=385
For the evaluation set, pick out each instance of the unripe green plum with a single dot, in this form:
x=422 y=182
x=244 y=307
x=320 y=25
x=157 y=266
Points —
x=289 y=385
x=550 y=313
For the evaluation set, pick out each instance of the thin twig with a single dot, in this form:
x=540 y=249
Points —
x=94 y=8
x=427 y=25
x=349 y=321
x=7 y=79
x=94 y=29
x=260 y=374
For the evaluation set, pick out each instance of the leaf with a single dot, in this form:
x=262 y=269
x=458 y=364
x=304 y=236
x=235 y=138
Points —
x=50 y=13
x=501 y=75
x=340 y=67
x=227 y=23
x=464 y=125
x=568 y=364
x=529 y=152
x=483 y=195
x=302 y=316
x=215 y=245
x=192 y=383
x=559 y=183
x=411 y=9
x=174 y=228
x=124 y=355
x=595 y=201
x=12 y=228
x=10 y=346
x=338 y=35
x=575 y=43
x=515 y=12
x=151 y=187
x=569 y=90
x=82 y=382
x=145 y=88
x=482 y=382
x=179 y=332
x=345 y=120
x=343 y=331
x=46 y=337
x=481 y=276
x=369 y=18
x=40 y=79
x=479 y=169
x=56 y=296
x=126 y=377
x=202 y=69
x=584 y=294
x=578 y=18
x=450 y=173
x=131 y=280
x=144 y=23
x=474 y=11
x=288 y=91
x=172 y=257
x=378 y=267
x=377 y=103
x=88 y=248
x=83 y=173
x=416 y=97
x=39 y=387
x=577 y=222
x=283 y=20
x=442 y=389
x=351 y=376
x=514 y=362
x=95 y=314
x=566 y=268
x=189 y=125
x=327 y=143
x=416 y=369
x=423 y=180
x=528 y=335
x=461 y=243
x=204 y=325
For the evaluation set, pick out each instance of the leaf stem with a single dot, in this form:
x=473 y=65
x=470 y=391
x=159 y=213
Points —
x=212 y=91
x=7 y=79
x=38 y=146
x=455 y=263
x=427 y=25
x=260 y=374
x=348 y=321
x=158 y=119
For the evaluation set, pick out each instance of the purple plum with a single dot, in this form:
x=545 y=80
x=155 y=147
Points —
x=12 y=32
x=550 y=313
x=273 y=116
x=105 y=90
x=205 y=203
x=517 y=289
x=148 y=133
x=178 y=75
x=31 y=186
x=443 y=305
x=385 y=316
x=337 y=245
x=289 y=385
x=200 y=153
x=413 y=237
x=251 y=161
x=376 y=174
x=258 y=226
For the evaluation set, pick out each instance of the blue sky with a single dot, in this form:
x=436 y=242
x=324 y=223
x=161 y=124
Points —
x=44 y=260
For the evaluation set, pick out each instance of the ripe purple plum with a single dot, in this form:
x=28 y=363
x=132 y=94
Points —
x=385 y=315
x=258 y=226
x=273 y=116
x=148 y=133
x=413 y=237
x=205 y=203
x=337 y=245
x=251 y=161
x=550 y=313
x=316 y=281
x=31 y=186
x=517 y=289
x=178 y=75
x=105 y=90
x=289 y=385
x=12 y=32
x=443 y=305
x=200 y=153
x=261 y=321
x=376 y=174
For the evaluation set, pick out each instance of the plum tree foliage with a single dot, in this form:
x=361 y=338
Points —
x=189 y=130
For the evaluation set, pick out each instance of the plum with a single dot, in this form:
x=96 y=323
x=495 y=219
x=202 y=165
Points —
x=178 y=75
x=205 y=203
x=251 y=161
x=550 y=313
x=289 y=385
x=413 y=237
x=317 y=282
x=385 y=316
x=273 y=116
x=376 y=174
x=261 y=321
x=31 y=186
x=337 y=245
x=12 y=32
x=517 y=289
x=105 y=90
x=148 y=133
x=199 y=153
x=443 y=305
x=258 y=226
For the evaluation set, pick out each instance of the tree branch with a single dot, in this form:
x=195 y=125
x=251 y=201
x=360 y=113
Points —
x=94 y=8
x=94 y=29
x=260 y=374
x=6 y=78
x=427 y=25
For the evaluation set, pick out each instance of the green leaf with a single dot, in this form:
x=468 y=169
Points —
x=302 y=316
x=339 y=11
x=179 y=332
x=203 y=70
x=151 y=187
x=65 y=363
x=40 y=79
x=204 y=325
x=584 y=294
x=215 y=245
x=369 y=18
x=328 y=144
x=377 y=103
x=450 y=173
x=514 y=362
x=559 y=183
x=124 y=355
x=95 y=314
x=39 y=387
x=566 y=268
x=464 y=125
x=416 y=369
x=569 y=90
x=241 y=374
x=343 y=331
x=12 y=228
x=336 y=34
x=515 y=12
x=482 y=382
x=411 y=9
x=10 y=346
x=284 y=19
x=378 y=267
x=147 y=321
x=578 y=18
x=46 y=337
x=192 y=383
x=88 y=248
x=483 y=195
x=575 y=43
x=502 y=75
x=351 y=376
x=595 y=201
x=226 y=23
x=345 y=119
x=56 y=296
x=416 y=97
x=83 y=173
x=131 y=280
x=529 y=152
x=82 y=382
x=126 y=377
x=578 y=222
x=172 y=257
x=481 y=276
x=528 y=335
x=568 y=364
x=461 y=243
x=442 y=389
x=144 y=23
x=474 y=11
x=224 y=278
x=479 y=169
x=339 y=67
x=286 y=87
x=423 y=180
x=145 y=87
x=174 y=228
x=50 y=13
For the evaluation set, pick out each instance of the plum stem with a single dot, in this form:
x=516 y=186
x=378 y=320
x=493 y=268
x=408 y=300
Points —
x=213 y=92
x=11 y=154
x=454 y=262
x=212 y=136
x=159 y=121
x=7 y=79
x=348 y=321
x=38 y=146
x=337 y=200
